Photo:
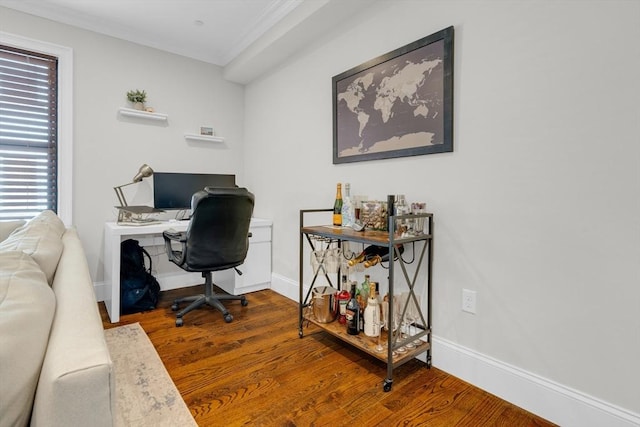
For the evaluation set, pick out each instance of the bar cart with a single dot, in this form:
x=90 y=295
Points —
x=413 y=344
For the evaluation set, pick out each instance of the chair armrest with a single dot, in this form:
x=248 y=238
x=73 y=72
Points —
x=177 y=236
x=177 y=257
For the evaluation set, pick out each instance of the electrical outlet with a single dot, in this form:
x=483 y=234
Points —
x=469 y=301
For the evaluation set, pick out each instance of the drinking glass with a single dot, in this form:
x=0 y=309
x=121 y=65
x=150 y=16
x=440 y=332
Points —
x=333 y=259
x=418 y=223
x=397 y=322
x=318 y=259
x=408 y=318
x=414 y=315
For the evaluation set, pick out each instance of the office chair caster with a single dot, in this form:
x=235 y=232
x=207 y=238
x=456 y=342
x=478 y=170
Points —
x=179 y=322
x=244 y=302
x=174 y=307
x=228 y=318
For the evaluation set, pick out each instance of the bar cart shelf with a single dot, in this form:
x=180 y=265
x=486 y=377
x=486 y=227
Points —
x=332 y=234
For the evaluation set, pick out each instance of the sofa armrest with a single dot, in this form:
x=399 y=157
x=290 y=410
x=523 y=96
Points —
x=77 y=385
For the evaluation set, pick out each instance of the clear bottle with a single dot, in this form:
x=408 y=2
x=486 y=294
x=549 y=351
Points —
x=372 y=313
x=401 y=208
x=348 y=211
x=337 y=206
x=352 y=313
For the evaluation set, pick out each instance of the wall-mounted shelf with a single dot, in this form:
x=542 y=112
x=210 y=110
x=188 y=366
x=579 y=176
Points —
x=207 y=138
x=130 y=112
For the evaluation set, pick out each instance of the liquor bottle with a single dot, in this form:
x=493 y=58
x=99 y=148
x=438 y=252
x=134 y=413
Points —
x=352 y=314
x=348 y=211
x=372 y=313
x=376 y=259
x=362 y=292
x=337 y=206
x=362 y=296
x=368 y=252
x=343 y=298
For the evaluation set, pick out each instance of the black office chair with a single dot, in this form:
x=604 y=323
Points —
x=217 y=238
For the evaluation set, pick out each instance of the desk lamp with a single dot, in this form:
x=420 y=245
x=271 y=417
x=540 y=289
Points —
x=126 y=212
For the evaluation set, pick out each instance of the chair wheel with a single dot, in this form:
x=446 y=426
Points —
x=179 y=322
x=174 y=306
x=228 y=318
x=244 y=302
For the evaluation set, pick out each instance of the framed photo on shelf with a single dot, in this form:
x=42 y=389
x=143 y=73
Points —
x=206 y=130
x=398 y=104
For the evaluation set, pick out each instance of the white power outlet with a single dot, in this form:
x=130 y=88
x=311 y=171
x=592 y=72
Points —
x=469 y=301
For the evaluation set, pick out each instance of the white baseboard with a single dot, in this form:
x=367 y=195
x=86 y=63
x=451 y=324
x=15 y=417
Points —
x=548 y=399
x=285 y=286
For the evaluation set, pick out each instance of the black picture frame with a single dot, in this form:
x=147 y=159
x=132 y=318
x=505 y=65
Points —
x=398 y=104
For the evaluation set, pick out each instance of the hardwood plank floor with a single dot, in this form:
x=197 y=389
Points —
x=257 y=371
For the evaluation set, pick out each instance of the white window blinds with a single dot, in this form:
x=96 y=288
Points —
x=28 y=133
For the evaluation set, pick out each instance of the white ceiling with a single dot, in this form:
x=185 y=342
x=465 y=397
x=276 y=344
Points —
x=214 y=31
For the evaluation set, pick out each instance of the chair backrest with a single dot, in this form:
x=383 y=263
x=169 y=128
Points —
x=218 y=232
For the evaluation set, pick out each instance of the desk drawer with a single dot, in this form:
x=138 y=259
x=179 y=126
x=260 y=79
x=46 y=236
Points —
x=260 y=234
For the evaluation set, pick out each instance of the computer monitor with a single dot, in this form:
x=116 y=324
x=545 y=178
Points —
x=174 y=190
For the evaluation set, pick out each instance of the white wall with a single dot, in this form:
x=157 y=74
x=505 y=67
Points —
x=109 y=149
x=537 y=209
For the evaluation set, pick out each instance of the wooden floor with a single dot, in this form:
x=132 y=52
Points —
x=257 y=371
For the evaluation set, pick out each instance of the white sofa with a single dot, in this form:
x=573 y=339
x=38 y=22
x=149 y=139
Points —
x=55 y=368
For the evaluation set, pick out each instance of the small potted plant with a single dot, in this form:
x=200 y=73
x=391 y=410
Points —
x=137 y=98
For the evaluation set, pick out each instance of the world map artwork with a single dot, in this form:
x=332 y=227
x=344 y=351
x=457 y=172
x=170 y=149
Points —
x=395 y=105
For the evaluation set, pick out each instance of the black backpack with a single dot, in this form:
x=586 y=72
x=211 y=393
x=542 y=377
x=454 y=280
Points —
x=139 y=290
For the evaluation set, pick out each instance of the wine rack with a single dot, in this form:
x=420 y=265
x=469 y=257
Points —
x=423 y=256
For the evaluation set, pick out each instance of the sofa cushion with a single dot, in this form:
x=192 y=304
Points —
x=40 y=237
x=27 y=306
x=7 y=227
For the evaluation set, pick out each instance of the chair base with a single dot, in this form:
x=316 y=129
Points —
x=209 y=298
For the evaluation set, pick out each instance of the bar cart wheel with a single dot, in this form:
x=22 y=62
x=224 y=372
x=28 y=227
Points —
x=386 y=386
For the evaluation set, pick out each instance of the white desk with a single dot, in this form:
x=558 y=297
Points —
x=256 y=272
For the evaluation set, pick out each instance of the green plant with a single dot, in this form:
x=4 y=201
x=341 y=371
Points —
x=137 y=96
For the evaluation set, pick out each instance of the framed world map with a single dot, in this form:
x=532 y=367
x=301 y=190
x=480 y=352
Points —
x=398 y=104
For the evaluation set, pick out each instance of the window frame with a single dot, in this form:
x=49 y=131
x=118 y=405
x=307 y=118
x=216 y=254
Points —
x=65 y=115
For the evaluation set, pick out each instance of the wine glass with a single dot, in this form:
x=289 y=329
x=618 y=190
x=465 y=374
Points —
x=413 y=314
x=333 y=260
x=408 y=318
x=397 y=321
x=384 y=305
x=318 y=261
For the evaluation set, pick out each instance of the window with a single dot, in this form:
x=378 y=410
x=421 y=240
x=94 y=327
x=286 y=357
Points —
x=28 y=133
x=36 y=142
